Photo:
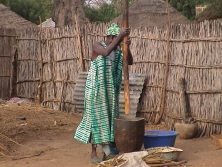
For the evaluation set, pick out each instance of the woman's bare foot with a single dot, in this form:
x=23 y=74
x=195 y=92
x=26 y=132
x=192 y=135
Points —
x=104 y=156
x=110 y=156
x=94 y=156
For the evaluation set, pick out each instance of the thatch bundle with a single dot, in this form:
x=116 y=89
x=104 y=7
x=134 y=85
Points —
x=151 y=13
x=9 y=19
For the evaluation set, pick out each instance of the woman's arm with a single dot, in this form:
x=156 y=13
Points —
x=100 y=50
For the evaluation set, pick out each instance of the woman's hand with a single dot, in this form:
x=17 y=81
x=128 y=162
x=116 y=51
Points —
x=125 y=32
x=128 y=42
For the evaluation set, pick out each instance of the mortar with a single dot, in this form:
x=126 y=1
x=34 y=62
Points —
x=129 y=134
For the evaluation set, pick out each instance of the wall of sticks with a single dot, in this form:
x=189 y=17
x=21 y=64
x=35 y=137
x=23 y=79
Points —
x=54 y=58
x=7 y=53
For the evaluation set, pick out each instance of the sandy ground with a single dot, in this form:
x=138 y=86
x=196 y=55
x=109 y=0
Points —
x=46 y=140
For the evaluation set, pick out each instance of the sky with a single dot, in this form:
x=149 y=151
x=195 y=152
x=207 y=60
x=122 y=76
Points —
x=96 y=3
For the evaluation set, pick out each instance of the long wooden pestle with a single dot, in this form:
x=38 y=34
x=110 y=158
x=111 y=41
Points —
x=125 y=24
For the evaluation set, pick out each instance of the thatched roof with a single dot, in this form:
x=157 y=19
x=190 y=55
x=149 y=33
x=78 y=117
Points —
x=151 y=13
x=9 y=19
x=212 y=12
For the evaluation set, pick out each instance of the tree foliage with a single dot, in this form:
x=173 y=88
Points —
x=31 y=9
x=103 y=10
x=187 y=7
x=5 y=2
x=104 y=14
x=213 y=11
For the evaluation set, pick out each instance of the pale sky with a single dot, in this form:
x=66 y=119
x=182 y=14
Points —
x=97 y=2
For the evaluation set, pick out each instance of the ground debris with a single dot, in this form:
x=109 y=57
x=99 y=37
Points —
x=20 y=123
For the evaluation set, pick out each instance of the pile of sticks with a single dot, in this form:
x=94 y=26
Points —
x=116 y=161
x=155 y=160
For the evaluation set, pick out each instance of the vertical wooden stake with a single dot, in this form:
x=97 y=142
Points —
x=81 y=61
x=166 y=67
x=183 y=100
x=125 y=24
x=14 y=52
x=64 y=81
x=41 y=64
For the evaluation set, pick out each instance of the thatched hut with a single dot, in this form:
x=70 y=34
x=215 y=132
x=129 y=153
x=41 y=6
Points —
x=151 y=13
x=11 y=25
x=9 y=19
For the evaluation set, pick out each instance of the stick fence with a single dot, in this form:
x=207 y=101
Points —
x=194 y=54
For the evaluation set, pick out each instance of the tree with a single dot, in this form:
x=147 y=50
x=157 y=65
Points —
x=66 y=11
x=48 y=8
x=103 y=14
x=213 y=11
x=31 y=9
x=5 y=2
x=103 y=10
x=187 y=7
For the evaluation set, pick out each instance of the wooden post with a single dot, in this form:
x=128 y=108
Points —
x=125 y=24
x=183 y=100
x=14 y=52
x=163 y=99
x=81 y=61
x=41 y=64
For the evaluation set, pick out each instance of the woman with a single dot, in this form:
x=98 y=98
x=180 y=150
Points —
x=101 y=103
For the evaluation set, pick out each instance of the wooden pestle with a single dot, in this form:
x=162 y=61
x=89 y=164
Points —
x=125 y=60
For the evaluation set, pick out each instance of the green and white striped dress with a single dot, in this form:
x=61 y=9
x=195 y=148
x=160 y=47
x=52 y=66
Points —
x=101 y=103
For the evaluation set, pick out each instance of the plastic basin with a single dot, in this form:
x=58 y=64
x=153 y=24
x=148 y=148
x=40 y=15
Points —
x=113 y=150
x=159 y=138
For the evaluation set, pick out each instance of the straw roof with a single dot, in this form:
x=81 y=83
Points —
x=9 y=19
x=151 y=13
x=212 y=12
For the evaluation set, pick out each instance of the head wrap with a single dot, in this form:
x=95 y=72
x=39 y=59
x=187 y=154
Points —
x=113 y=29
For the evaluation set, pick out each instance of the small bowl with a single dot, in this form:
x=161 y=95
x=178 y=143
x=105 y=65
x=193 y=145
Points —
x=168 y=153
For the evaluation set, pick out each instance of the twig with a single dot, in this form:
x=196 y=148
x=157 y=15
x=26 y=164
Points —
x=3 y=136
x=2 y=154
x=36 y=154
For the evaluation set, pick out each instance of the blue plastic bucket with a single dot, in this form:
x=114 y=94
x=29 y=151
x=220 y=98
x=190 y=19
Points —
x=159 y=138
x=113 y=150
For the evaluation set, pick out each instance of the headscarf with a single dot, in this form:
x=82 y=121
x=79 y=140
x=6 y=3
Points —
x=113 y=29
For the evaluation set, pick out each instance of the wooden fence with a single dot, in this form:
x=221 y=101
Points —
x=195 y=55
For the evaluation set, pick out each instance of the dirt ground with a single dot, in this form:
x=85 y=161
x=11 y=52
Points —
x=32 y=136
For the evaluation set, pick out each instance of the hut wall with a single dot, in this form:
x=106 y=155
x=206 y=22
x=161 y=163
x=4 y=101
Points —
x=7 y=55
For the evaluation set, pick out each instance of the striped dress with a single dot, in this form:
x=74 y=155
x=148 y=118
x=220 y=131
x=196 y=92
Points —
x=101 y=103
